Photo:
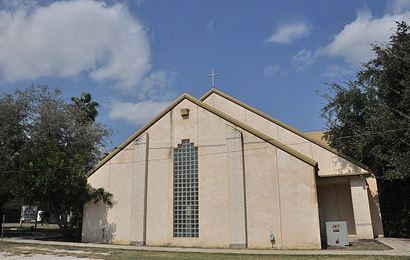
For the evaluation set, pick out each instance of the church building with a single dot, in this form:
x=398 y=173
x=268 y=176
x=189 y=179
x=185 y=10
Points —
x=216 y=172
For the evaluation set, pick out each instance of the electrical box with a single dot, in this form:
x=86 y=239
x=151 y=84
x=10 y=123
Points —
x=336 y=233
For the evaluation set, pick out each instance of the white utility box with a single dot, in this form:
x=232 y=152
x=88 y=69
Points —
x=336 y=233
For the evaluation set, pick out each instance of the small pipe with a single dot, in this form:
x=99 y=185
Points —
x=2 y=226
x=35 y=221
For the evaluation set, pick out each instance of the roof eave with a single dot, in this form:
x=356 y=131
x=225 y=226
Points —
x=215 y=111
x=288 y=127
x=135 y=135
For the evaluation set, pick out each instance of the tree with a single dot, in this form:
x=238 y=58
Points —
x=14 y=117
x=60 y=143
x=87 y=105
x=46 y=176
x=369 y=119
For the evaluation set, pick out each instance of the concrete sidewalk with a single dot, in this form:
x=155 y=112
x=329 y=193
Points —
x=400 y=244
x=401 y=247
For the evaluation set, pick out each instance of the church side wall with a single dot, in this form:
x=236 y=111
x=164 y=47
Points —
x=158 y=187
x=95 y=215
x=264 y=200
x=335 y=202
x=121 y=170
x=279 y=190
x=206 y=131
x=262 y=193
x=329 y=163
x=375 y=207
x=299 y=205
x=112 y=226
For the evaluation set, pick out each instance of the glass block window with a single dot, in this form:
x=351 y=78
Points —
x=186 y=206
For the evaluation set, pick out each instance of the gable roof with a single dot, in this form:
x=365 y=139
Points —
x=215 y=111
x=288 y=127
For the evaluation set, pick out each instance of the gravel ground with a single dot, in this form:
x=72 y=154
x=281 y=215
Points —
x=7 y=256
x=9 y=250
x=18 y=251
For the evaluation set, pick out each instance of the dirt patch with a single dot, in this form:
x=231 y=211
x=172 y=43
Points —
x=7 y=256
x=16 y=251
x=12 y=251
x=58 y=251
x=369 y=245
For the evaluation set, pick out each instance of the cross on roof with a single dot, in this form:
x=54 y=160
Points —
x=212 y=75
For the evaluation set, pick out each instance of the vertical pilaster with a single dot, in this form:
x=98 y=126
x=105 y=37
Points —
x=139 y=191
x=237 y=206
x=361 y=208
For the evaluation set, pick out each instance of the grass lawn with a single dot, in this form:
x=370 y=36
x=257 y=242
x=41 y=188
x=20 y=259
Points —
x=102 y=253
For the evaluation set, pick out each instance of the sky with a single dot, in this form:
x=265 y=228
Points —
x=136 y=56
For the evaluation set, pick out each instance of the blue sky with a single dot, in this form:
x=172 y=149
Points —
x=135 y=57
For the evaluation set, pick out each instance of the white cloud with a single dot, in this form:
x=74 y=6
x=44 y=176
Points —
x=136 y=113
x=68 y=38
x=399 y=6
x=353 y=43
x=271 y=70
x=288 y=33
x=303 y=59
x=334 y=71
x=156 y=85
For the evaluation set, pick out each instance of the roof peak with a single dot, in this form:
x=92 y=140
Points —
x=213 y=110
x=282 y=124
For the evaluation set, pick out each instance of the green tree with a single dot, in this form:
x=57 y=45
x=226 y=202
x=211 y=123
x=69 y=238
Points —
x=14 y=118
x=46 y=176
x=87 y=105
x=60 y=143
x=369 y=119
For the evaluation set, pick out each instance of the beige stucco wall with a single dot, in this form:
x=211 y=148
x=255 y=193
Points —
x=95 y=217
x=280 y=189
x=374 y=204
x=335 y=202
x=361 y=207
x=329 y=163
x=299 y=205
x=115 y=177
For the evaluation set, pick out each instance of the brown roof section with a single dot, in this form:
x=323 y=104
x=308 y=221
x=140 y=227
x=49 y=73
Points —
x=288 y=127
x=318 y=136
x=213 y=110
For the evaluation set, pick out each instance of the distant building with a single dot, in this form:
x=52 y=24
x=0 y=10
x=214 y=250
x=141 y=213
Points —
x=216 y=172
